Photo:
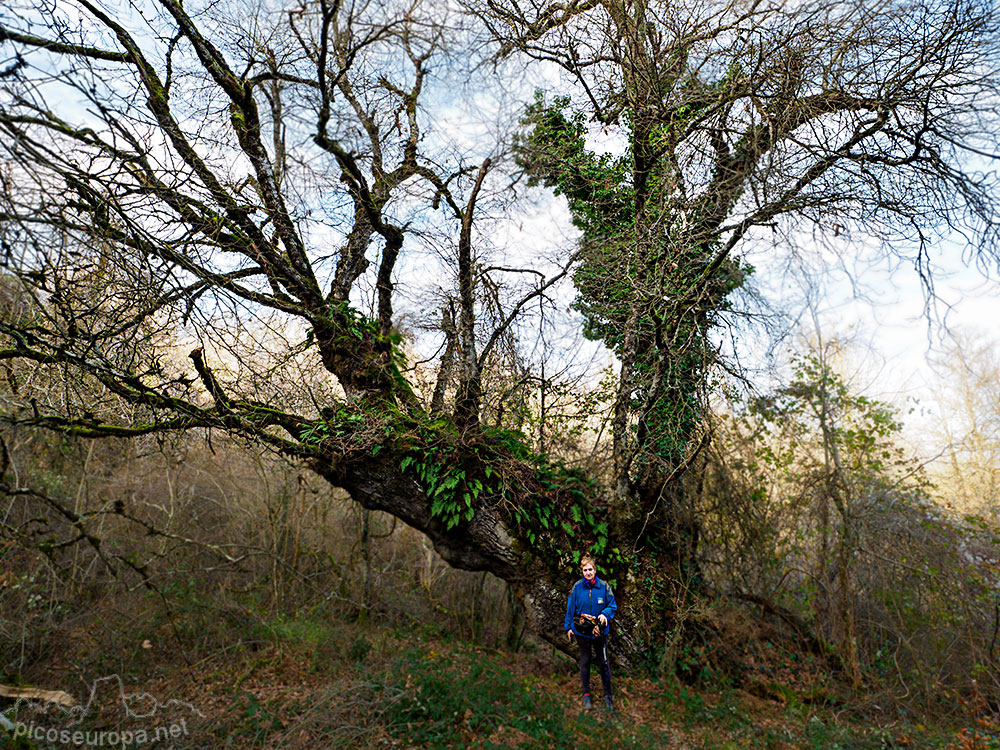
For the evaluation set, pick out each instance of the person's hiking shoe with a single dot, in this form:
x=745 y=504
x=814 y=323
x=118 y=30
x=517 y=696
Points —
x=587 y=702
x=609 y=704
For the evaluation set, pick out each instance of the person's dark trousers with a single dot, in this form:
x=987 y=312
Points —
x=594 y=649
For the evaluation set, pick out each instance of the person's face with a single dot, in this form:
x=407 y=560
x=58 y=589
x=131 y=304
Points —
x=589 y=572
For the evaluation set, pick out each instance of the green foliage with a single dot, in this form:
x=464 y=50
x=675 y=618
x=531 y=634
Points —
x=554 y=154
x=354 y=323
x=643 y=261
x=451 y=697
x=354 y=329
x=359 y=648
x=724 y=713
x=10 y=742
x=836 y=523
x=555 y=511
x=459 y=700
x=861 y=426
x=340 y=422
x=567 y=517
x=452 y=496
x=257 y=720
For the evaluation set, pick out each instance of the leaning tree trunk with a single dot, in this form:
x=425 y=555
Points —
x=497 y=538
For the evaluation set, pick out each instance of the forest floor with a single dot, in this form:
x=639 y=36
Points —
x=232 y=679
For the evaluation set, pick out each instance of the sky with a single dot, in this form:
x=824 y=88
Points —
x=880 y=306
x=897 y=341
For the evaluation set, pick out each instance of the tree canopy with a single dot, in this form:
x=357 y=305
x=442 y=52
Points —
x=264 y=187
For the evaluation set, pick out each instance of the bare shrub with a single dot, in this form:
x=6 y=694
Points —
x=816 y=513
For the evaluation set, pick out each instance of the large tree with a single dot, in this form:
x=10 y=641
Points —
x=245 y=180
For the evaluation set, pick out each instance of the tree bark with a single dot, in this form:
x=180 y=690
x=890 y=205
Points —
x=489 y=542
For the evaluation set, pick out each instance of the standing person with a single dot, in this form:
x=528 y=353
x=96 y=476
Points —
x=589 y=610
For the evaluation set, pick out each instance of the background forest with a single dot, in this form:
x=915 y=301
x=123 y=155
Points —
x=332 y=336
x=844 y=571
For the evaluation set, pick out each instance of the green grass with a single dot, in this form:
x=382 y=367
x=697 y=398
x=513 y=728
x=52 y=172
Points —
x=341 y=684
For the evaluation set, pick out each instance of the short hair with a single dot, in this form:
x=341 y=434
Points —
x=586 y=559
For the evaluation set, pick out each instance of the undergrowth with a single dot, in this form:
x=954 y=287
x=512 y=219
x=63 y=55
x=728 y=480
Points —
x=306 y=680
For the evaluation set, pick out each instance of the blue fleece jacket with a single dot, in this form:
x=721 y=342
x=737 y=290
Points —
x=594 y=600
